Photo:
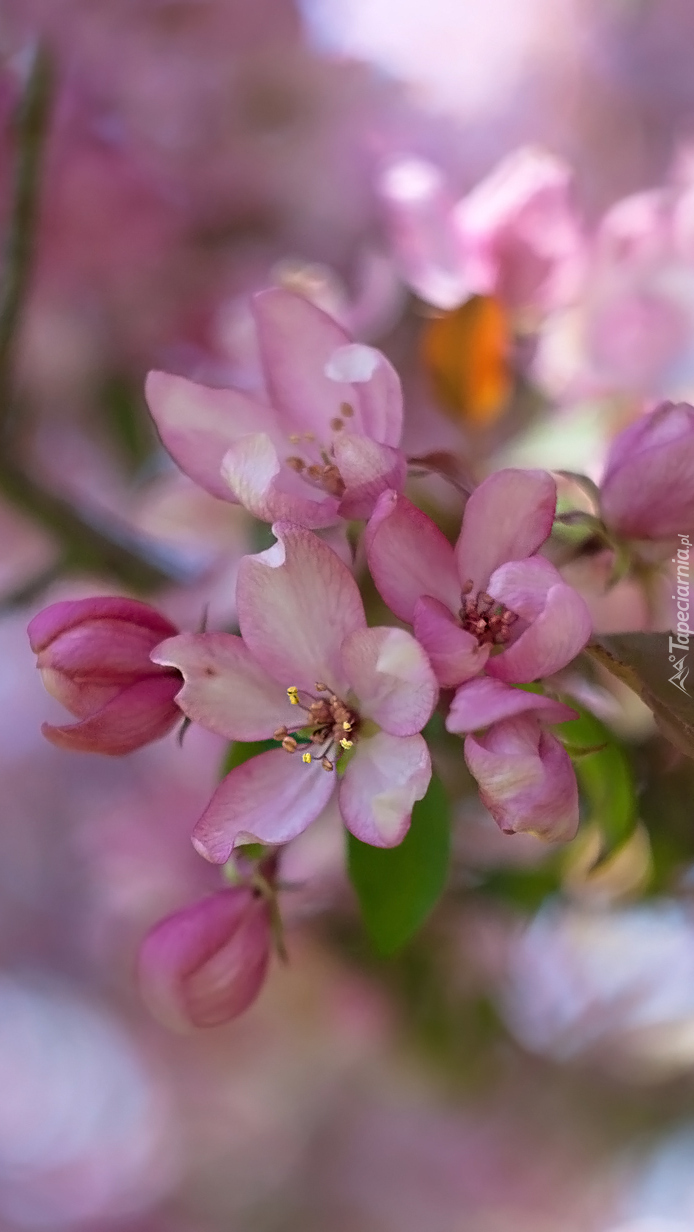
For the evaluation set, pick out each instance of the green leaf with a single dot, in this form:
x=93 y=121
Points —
x=398 y=886
x=645 y=662
x=239 y=752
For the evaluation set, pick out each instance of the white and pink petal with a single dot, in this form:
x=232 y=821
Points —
x=367 y=470
x=297 y=602
x=197 y=425
x=257 y=479
x=392 y=678
x=225 y=689
x=269 y=799
x=381 y=785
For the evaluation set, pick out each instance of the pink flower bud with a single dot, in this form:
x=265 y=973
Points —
x=525 y=778
x=94 y=657
x=648 y=488
x=204 y=965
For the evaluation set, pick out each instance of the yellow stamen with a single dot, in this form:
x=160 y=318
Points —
x=307 y=758
x=346 y=726
x=293 y=695
x=346 y=744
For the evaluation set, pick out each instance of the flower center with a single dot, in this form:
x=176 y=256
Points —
x=490 y=622
x=330 y=723
x=318 y=466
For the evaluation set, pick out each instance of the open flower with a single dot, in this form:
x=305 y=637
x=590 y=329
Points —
x=204 y=965
x=647 y=491
x=489 y=604
x=325 y=443
x=524 y=773
x=345 y=702
x=94 y=657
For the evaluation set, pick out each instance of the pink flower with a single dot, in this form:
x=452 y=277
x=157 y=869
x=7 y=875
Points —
x=94 y=657
x=307 y=664
x=515 y=235
x=647 y=491
x=322 y=446
x=521 y=231
x=204 y=965
x=524 y=774
x=489 y=593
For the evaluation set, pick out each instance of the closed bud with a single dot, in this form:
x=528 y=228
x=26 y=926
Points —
x=204 y=965
x=94 y=657
x=525 y=778
x=648 y=488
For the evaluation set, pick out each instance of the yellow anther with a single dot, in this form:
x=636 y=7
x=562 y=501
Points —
x=293 y=695
x=307 y=758
x=346 y=744
x=346 y=726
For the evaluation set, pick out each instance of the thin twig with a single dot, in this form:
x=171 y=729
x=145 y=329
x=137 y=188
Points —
x=31 y=129
x=84 y=544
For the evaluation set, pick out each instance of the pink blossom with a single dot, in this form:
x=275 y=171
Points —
x=321 y=447
x=515 y=235
x=525 y=775
x=94 y=657
x=491 y=592
x=647 y=491
x=204 y=965
x=426 y=242
x=631 y=326
x=306 y=663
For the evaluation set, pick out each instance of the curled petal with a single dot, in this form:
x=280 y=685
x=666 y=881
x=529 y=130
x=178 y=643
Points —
x=454 y=654
x=297 y=602
x=484 y=701
x=381 y=784
x=552 y=640
x=508 y=517
x=197 y=425
x=523 y=585
x=225 y=690
x=367 y=469
x=409 y=556
x=253 y=473
x=526 y=779
x=204 y=965
x=269 y=799
x=48 y=624
x=392 y=678
x=380 y=403
x=138 y=714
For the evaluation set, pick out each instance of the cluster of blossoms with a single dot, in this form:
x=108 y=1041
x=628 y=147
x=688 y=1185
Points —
x=345 y=704
x=609 y=310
